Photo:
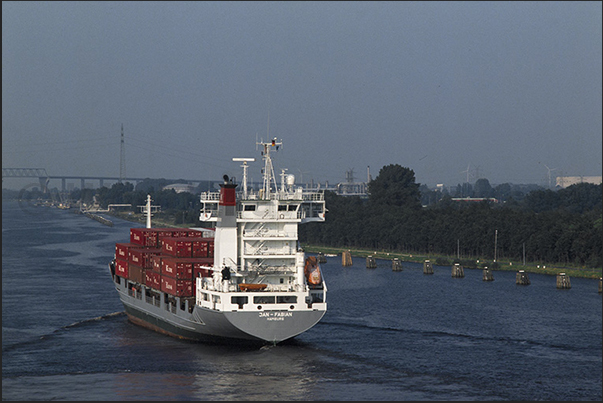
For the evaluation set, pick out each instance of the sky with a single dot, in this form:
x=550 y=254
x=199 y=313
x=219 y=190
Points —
x=455 y=91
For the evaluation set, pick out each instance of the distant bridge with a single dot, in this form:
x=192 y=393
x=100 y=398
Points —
x=39 y=173
x=348 y=188
x=44 y=178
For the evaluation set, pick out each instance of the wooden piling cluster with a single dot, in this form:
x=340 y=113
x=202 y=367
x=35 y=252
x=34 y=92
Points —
x=487 y=275
x=321 y=258
x=458 y=271
x=522 y=278
x=346 y=258
x=396 y=264
x=427 y=267
x=563 y=281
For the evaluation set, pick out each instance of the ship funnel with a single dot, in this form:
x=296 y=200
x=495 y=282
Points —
x=228 y=194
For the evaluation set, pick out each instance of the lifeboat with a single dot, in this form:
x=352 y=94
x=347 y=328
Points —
x=252 y=287
x=312 y=272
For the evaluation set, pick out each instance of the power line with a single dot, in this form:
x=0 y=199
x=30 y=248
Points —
x=122 y=158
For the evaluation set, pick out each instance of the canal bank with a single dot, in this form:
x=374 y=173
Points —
x=541 y=268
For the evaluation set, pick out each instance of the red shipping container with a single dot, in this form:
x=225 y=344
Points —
x=210 y=249
x=135 y=273
x=201 y=233
x=144 y=236
x=193 y=233
x=122 y=249
x=152 y=279
x=180 y=233
x=163 y=233
x=177 y=247
x=156 y=263
x=177 y=268
x=142 y=256
x=178 y=288
x=200 y=247
x=121 y=268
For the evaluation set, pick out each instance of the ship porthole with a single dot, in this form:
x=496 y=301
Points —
x=291 y=307
x=259 y=307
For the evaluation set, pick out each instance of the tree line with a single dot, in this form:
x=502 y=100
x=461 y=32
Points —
x=543 y=225
x=178 y=207
x=546 y=226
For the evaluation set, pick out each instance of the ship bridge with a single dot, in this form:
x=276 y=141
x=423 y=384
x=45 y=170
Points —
x=298 y=205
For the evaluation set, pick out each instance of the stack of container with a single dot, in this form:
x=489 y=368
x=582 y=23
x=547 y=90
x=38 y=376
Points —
x=165 y=259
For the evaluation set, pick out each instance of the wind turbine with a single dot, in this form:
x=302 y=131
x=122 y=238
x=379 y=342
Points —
x=549 y=173
x=467 y=171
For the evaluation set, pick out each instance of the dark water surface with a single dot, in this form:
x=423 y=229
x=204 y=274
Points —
x=386 y=335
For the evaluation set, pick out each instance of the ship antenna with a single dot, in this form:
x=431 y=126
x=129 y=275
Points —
x=268 y=172
x=244 y=160
x=268 y=129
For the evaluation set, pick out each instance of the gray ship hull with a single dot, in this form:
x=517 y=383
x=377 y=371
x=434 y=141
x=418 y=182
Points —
x=197 y=323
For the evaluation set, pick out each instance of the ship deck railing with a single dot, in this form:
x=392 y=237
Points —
x=305 y=195
x=209 y=284
x=299 y=215
x=152 y=299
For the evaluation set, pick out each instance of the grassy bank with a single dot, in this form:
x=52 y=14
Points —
x=506 y=265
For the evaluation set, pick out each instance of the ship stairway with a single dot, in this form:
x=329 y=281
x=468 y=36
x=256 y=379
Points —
x=259 y=269
x=260 y=231
x=265 y=230
x=259 y=249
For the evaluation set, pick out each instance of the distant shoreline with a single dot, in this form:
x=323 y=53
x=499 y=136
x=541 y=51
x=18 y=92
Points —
x=504 y=265
x=546 y=268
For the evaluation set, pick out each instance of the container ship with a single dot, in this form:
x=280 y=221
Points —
x=244 y=278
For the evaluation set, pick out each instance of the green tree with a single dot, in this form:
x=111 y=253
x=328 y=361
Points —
x=395 y=186
x=482 y=188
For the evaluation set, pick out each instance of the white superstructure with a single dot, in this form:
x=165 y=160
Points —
x=258 y=264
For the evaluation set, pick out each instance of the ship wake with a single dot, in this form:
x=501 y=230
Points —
x=63 y=329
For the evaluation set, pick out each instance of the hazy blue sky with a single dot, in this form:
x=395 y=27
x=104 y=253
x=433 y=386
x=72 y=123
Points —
x=504 y=88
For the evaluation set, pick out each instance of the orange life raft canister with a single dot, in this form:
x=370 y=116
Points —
x=312 y=271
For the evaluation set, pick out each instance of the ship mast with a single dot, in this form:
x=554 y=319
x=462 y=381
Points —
x=148 y=211
x=268 y=168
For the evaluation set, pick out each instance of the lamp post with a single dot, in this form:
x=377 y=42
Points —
x=495 y=241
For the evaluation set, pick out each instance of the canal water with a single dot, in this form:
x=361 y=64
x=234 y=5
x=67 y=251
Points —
x=387 y=335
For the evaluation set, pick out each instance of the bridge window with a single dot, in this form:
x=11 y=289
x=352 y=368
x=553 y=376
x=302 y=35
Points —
x=282 y=207
x=293 y=207
x=249 y=207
